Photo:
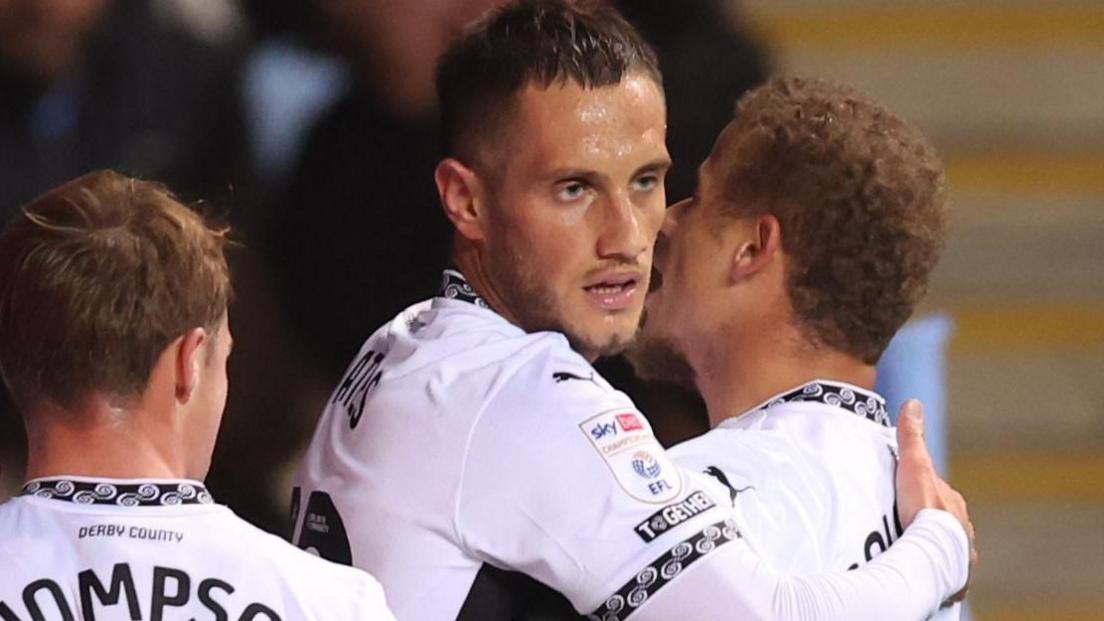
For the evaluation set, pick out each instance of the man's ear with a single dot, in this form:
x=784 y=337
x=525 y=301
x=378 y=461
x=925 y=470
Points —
x=761 y=242
x=190 y=351
x=461 y=193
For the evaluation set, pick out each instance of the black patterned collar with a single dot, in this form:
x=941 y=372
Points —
x=84 y=491
x=869 y=405
x=455 y=287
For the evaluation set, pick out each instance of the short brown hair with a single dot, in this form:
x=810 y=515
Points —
x=97 y=277
x=538 y=42
x=860 y=197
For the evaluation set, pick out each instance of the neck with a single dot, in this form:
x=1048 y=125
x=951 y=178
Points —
x=465 y=256
x=740 y=375
x=99 y=440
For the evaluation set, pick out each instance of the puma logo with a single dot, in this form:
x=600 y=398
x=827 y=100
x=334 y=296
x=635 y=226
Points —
x=716 y=473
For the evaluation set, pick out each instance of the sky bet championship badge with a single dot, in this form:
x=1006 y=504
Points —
x=624 y=440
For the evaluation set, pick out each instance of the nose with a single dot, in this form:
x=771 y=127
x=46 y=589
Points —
x=623 y=236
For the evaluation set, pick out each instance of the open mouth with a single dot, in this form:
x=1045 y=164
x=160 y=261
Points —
x=611 y=287
x=613 y=292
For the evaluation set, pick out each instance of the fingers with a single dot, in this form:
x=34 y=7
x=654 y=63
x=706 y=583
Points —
x=916 y=487
x=919 y=487
x=956 y=504
x=910 y=436
x=911 y=416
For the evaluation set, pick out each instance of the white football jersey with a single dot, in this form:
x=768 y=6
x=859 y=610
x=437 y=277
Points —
x=75 y=548
x=457 y=443
x=810 y=473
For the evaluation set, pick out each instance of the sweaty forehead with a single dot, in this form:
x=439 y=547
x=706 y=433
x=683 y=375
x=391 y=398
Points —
x=566 y=121
x=636 y=102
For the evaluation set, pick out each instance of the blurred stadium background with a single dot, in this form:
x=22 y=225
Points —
x=1012 y=92
x=1013 y=95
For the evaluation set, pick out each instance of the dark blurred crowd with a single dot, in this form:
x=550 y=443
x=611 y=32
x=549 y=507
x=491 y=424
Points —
x=308 y=125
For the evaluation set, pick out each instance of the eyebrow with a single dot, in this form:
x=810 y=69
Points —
x=592 y=175
x=573 y=173
x=654 y=166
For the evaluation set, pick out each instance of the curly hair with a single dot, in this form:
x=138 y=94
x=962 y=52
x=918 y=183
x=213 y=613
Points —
x=860 y=198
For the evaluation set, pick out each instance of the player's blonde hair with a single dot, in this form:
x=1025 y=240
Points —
x=97 y=277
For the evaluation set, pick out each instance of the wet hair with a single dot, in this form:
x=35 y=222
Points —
x=539 y=42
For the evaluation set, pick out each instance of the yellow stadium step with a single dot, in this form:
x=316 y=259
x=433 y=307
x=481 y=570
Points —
x=924 y=25
x=1016 y=328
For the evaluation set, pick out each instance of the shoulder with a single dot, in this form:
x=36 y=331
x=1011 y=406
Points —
x=458 y=347
x=8 y=509
x=455 y=335
x=554 y=416
x=546 y=383
x=315 y=582
x=734 y=456
x=18 y=526
x=835 y=435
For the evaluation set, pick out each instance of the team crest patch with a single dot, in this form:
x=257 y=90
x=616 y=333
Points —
x=625 y=442
x=646 y=465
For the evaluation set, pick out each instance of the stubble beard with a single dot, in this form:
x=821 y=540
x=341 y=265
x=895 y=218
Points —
x=657 y=358
x=537 y=308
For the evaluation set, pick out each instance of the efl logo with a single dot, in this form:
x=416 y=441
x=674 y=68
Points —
x=629 y=422
x=625 y=442
x=646 y=465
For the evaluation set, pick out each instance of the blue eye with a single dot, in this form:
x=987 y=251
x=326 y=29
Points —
x=571 y=191
x=644 y=184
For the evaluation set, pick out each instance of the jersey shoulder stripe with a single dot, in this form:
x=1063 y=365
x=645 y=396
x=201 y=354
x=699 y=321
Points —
x=649 y=580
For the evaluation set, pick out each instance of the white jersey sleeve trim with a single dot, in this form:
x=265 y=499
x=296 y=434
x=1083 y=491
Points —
x=909 y=581
x=649 y=580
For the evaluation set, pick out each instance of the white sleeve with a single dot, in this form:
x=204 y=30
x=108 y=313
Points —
x=565 y=481
x=908 y=581
x=568 y=485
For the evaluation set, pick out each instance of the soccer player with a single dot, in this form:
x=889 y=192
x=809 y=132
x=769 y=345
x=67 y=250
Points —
x=816 y=223
x=471 y=435
x=114 y=340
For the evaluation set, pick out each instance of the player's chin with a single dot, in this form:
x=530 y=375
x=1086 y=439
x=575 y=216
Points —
x=616 y=343
x=607 y=338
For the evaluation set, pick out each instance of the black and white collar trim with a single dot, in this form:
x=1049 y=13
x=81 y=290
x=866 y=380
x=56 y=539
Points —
x=140 y=494
x=455 y=287
x=869 y=405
